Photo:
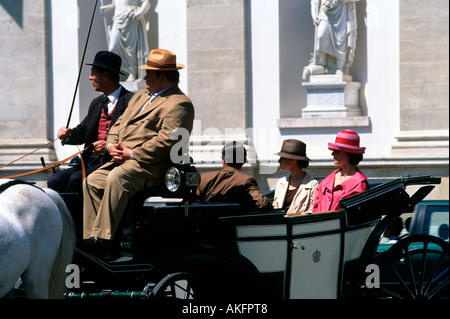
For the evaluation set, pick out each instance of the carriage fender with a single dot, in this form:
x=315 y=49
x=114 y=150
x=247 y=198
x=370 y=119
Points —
x=212 y=262
x=222 y=275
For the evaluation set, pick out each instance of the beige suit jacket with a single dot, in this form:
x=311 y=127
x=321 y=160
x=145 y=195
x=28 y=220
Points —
x=148 y=132
x=304 y=197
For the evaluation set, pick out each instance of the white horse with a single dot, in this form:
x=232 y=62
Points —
x=37 y=240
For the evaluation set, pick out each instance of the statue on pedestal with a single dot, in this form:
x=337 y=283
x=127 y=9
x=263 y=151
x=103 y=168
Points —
x=331 y=91
x=335 y=37
x=127 y=36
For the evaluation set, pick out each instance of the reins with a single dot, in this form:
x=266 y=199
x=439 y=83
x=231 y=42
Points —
x=51 y=142
x=57 y=163
x=68 y=122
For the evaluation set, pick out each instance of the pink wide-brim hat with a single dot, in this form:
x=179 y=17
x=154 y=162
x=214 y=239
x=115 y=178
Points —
x=347 y=141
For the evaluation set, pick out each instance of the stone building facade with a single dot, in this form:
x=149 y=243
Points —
x=244 y=63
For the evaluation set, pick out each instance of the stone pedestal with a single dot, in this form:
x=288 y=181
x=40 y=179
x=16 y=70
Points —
x=331 y=96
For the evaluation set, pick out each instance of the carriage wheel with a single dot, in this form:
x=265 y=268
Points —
x=416 y=267
x=174 y=286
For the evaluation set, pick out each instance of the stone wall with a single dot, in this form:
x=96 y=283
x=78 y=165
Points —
x=424 y=84
x=217 y=75
x=216 y=60
x=424 y=64
x=24 y=87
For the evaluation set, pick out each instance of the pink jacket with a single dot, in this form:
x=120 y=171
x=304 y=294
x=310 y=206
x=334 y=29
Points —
x=327 y=196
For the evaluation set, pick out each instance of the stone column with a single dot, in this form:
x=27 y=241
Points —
x=24 y=110
x=216 y=69
x=424 y=83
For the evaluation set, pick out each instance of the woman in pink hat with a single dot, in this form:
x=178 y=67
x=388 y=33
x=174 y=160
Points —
x=345 y=181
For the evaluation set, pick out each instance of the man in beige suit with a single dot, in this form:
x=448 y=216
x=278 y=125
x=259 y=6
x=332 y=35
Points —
x=140 y=144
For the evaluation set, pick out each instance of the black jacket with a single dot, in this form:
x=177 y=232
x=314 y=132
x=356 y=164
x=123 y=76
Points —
x=87 y=131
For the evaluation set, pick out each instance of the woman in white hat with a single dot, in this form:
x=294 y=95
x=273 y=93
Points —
x=345 y=181
x=295 y=194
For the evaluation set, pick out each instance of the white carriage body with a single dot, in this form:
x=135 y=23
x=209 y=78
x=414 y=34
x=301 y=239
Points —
x=320 y=249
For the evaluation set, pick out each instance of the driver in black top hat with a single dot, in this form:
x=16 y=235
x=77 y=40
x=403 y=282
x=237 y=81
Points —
x=103 y=111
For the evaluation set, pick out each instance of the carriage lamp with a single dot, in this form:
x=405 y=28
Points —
x=192 y=179
x=175 y=178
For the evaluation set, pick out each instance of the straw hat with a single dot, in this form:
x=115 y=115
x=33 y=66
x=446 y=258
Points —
x=163 y=60
x=293 y=149
x=347 y=141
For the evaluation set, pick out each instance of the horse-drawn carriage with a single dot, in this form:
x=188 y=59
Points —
x=189 y=250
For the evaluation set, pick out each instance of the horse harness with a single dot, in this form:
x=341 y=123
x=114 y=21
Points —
x=13 y=182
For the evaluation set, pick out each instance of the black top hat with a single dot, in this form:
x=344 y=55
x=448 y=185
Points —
x=293 y=149
x=107 y=60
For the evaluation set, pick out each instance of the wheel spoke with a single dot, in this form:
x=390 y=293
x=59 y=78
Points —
x=173 y=290
x=415 y=267
x=174 y=286
x=441 y=285
x=185 y=289
x=424 y=262
x=410 y=266
x=402 y=281
x=188 y=293
x=433 y=277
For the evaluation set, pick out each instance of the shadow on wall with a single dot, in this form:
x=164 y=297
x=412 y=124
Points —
x=15 y=10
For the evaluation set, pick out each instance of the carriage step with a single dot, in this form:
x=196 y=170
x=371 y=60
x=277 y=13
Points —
x=122 y=265
x=107 y=294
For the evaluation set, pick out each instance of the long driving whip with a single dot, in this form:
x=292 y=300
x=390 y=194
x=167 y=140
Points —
x=81 y=65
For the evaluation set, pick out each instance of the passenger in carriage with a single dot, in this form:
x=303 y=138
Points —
x=140 y=145
x=230 y=184
x=103 y=111
x=295 y=194
x=392 y=233
x=345 y=181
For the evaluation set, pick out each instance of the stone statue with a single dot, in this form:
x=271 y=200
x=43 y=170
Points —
x=128 y=36
x=335 y=37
